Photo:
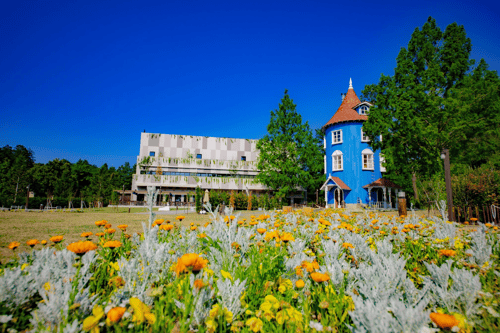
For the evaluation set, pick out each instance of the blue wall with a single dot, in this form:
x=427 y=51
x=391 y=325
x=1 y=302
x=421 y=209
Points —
x=352 y=175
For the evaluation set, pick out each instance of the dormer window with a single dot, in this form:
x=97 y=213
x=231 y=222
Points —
x=363 y=110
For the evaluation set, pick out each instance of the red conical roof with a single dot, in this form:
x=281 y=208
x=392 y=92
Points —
x=346 y=112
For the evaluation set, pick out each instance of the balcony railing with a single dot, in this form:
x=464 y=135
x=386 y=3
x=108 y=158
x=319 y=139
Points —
x=193 y=181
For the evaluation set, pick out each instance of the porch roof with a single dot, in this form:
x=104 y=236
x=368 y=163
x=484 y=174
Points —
x=382 y=182
x=336 y=181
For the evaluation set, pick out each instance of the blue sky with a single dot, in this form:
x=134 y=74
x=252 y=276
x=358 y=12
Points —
x=83 y=79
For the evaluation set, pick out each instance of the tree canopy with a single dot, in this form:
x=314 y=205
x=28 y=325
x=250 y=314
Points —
x=60 y=179
x=436 y=99
x=290 y=155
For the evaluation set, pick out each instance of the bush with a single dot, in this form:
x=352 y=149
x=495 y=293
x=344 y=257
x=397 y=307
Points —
x=241 y=201
x=198 y=199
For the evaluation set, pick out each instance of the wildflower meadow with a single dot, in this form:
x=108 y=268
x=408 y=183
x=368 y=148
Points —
x=300 y=271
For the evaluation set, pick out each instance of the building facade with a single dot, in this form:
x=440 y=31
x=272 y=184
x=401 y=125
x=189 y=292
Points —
x=177 y=164
x=353 y=170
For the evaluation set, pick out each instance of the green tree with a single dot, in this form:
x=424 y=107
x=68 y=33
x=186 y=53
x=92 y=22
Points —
x=290 y=155
x=423 y=107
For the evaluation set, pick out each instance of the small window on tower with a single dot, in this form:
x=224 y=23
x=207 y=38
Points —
x=363 y=110
x=198 y=156
x=243 y=158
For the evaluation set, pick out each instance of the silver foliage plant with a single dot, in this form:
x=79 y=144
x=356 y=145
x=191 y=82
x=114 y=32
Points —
x=230 y=292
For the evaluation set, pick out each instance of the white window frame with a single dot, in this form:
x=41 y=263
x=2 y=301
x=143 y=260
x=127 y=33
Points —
x=337 y=158
x=324 y=143
x=334 y=137
x=325 y=163
x=363 y=110
x=363 y=139
x=369 y=156
x=382 y=161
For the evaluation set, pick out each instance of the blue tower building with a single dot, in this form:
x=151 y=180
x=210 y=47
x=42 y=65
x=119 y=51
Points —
x=353 y=170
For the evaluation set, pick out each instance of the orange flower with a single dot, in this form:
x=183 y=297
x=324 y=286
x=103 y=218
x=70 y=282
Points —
x=166 y=227
x=56 y=239
x=319 y=277
x=14 y=245
x=203 y=235
x=473 y=219
x=310 y=266
x=100 y=223
x=190 y=261
x=347 y=245
x=112 y=244
x=300 y=283
x=32 y=242
x=180 y=218
x=447 y=253
x=44 y=242
x=159 y=221
x=115 y=314
x=287 y=237
x=444 y=320
x=193 y=227
x=107 y=226
x=99 y=234
x=198 y=284
x=81 y=247
x=110 y=231
x=86 y=234
x=324 y=222
x=261 y=230
x=122 y=227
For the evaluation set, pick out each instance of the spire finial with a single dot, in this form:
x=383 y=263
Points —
x=350 y=83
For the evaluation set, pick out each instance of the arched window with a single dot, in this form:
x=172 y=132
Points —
x=337 y=161
x=367 y=157
x=363 y=110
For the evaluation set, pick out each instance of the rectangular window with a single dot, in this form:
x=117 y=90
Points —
x=151 y=153
x=364 y=138
x=198 y=156
x=325 y=163
x=336 y=137
x=367 y=161
x=243 y=158
x=336 y=162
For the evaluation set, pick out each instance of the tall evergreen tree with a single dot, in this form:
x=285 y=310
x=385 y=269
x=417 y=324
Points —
x=289 y=152
x=422 y=108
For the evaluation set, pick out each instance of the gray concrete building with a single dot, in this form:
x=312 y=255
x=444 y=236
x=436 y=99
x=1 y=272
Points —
x=177 y=164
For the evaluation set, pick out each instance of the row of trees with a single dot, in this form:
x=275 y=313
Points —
x=60 y=180
x=438 y=98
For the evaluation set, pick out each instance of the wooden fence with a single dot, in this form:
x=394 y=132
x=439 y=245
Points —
x=484 y=214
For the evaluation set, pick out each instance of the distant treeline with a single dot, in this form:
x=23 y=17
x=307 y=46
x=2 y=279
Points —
x=60 y=180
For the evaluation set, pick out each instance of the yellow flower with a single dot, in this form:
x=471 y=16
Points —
x=211 y=325
x=141 y=311
x=261 y=230
x=91 y=322
x=347 y=245
x=226 y=275
x=289 y=314
x=270 y=304
x=255 y=324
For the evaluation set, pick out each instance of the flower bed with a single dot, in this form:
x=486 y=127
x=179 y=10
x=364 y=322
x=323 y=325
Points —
x=311 y=271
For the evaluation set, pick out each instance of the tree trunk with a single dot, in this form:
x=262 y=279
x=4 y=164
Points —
x=414 y=182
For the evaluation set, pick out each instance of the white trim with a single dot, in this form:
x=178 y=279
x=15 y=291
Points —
x=325 y=163
x=363 y=110
x=339 y=156
x=324 y=142
x=333 y=137
x=369 y=156
x=381 y=161
x=362 y=136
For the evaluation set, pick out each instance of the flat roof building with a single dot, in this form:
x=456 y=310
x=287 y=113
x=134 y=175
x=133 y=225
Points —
x=177 y=164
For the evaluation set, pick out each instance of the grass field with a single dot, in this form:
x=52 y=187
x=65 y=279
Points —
x=23 y=226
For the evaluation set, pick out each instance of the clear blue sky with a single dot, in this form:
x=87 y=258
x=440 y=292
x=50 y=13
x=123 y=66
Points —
x=83 y=79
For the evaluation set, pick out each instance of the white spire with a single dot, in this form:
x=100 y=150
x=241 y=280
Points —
x=350 y=83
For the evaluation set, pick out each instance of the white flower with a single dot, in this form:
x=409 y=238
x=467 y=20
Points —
x=5 y=319
x=315 y=325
